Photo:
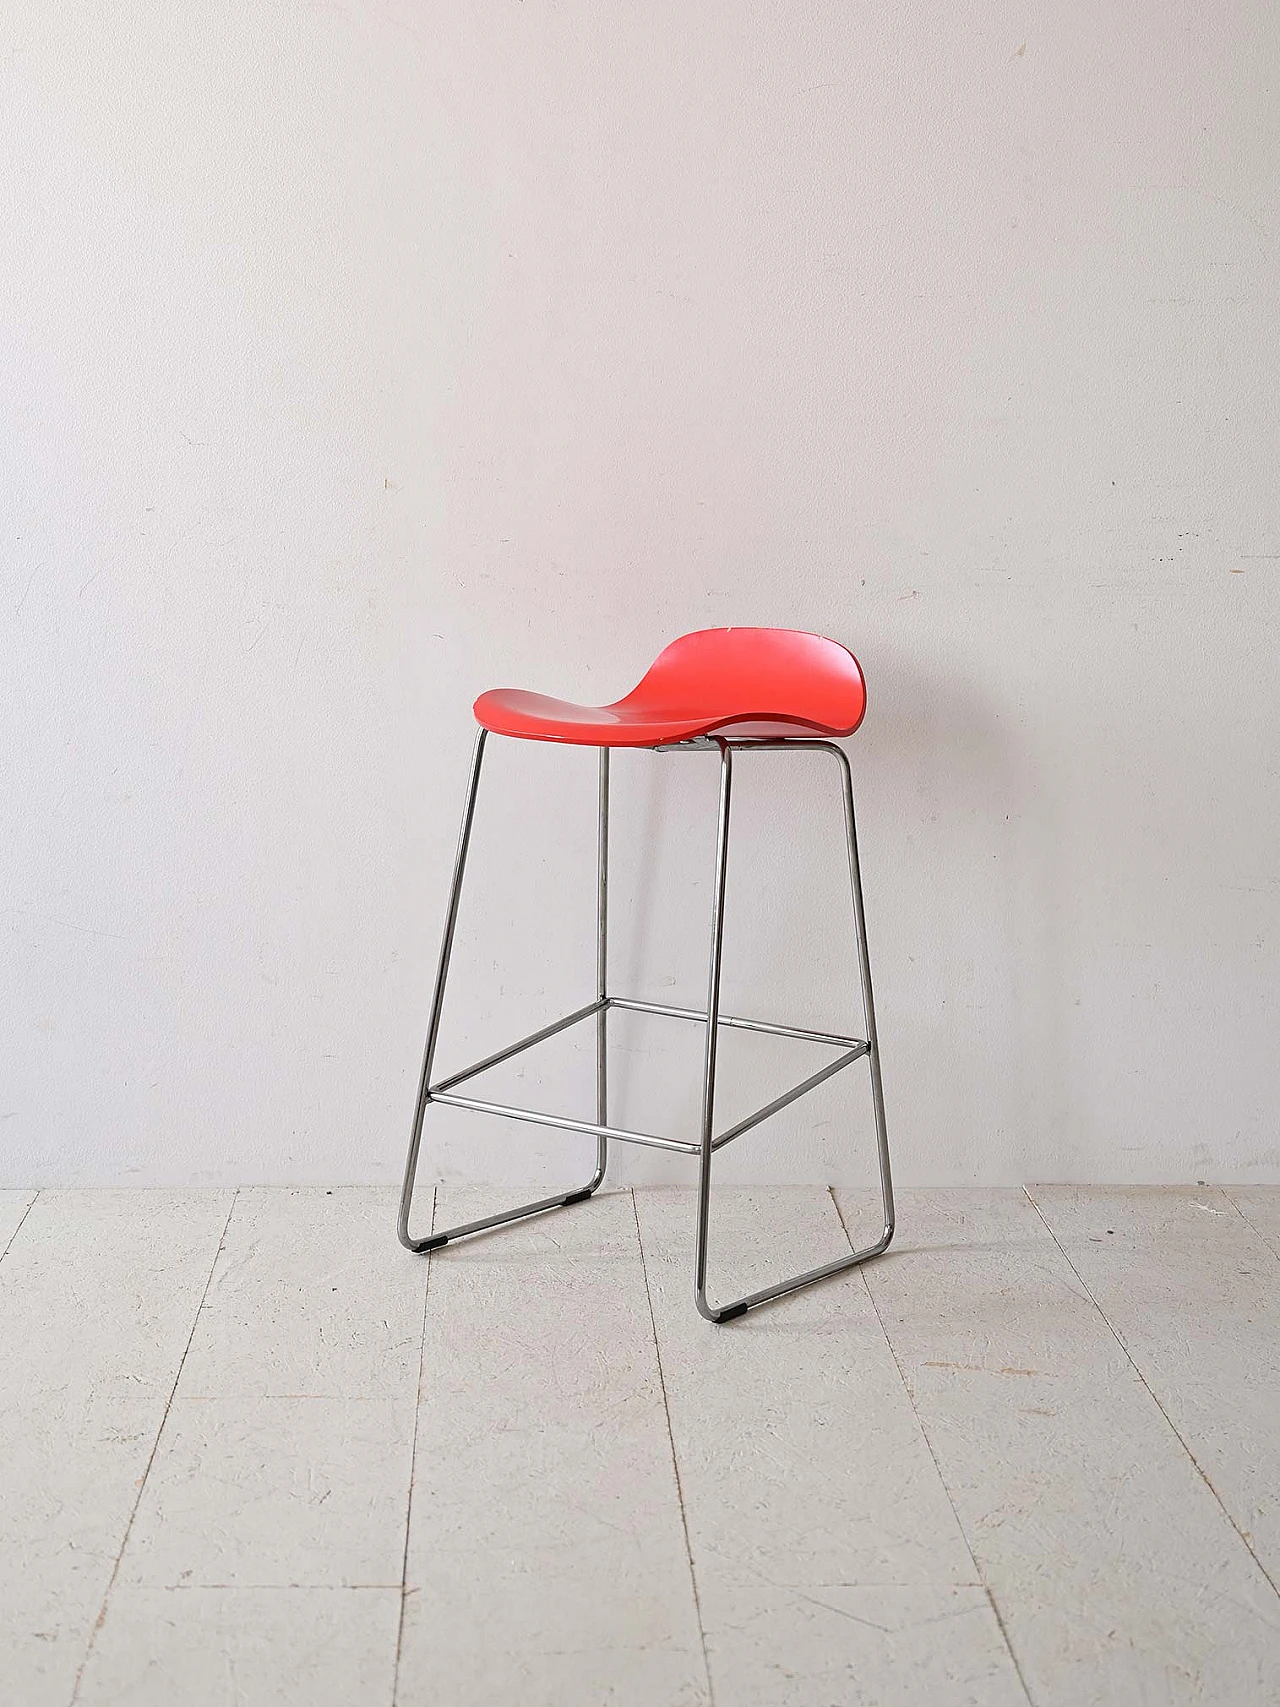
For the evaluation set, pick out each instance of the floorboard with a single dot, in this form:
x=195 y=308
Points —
x=98 y=1294
x=276 y=1504
x=829 y=1563
x=1117 y=1575
x=547 y=1561
x=1260 y=1206
x=245 y=1647
x=1151 y=1256
x=13 y=1206
x=252 y=1452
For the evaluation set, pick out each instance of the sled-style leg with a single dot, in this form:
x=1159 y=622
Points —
x=726 y=1312
x=434 y=1240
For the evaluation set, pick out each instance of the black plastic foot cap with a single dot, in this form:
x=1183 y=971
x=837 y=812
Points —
x=575 y=1197
x=434 y=1242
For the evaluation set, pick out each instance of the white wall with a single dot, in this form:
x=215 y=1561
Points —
x=360 y=356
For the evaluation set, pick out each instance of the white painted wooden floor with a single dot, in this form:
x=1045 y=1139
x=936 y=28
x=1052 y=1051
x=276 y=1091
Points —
x=251 y=1452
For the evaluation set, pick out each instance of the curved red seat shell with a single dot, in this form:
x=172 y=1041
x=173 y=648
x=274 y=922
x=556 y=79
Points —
x=745 y=681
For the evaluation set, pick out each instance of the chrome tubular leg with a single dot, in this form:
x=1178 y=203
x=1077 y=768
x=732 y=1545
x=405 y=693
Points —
x=868 y=1002
x=437 y=999
x=602 y=971
x=709 y=1061
x=727 y=1312
x=435 y=1240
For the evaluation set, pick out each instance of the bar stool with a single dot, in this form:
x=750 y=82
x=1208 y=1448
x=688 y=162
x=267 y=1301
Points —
x=730 y=691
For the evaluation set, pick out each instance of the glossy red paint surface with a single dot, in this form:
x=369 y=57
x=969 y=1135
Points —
x=757 y=681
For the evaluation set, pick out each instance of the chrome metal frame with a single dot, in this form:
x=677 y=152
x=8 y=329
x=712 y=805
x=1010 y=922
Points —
x=709 y=1141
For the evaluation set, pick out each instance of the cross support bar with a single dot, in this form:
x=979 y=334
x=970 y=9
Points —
x=805 y=1036
x=501 y=1055
x=788 y=1097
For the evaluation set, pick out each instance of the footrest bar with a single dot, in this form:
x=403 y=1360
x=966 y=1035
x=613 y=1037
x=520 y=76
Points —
x=565 y=1123
x=451 y=1100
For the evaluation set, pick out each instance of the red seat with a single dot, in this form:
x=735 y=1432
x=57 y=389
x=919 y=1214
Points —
x=745 y=681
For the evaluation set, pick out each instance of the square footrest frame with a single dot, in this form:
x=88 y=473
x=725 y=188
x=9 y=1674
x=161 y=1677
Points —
x=851 y=1049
